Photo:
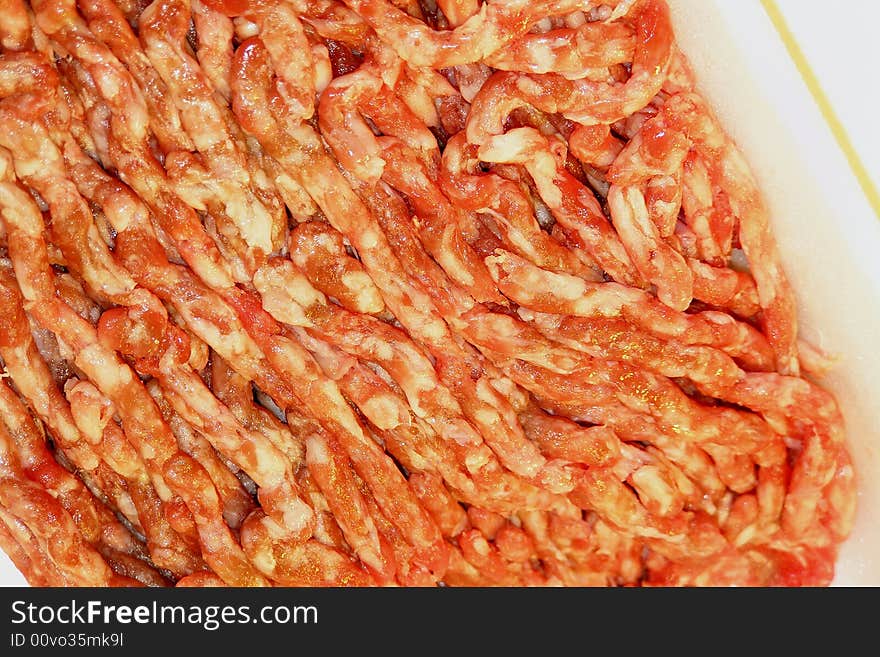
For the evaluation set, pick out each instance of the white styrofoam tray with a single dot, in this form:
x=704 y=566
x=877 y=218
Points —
x=827 y=232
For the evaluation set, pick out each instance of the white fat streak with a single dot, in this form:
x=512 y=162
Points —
x=428 y=328
x=89 y=413
x=6 y=166
x=475 y=462
x=699 y=185
x=454 y=267
x=422 y=105
x=301 y=291
x=344 y=414
x=575 y=19
x=485 y=392
x=362 y=286
x=544 y=25
x=244 y=28
x=316 y=451
x=107 y=375
x=458 y=430
x=564 y=286
x=291 y=357
x=423 y=376
x=322 y=68
x=235 y=342
x=423 y=381
x=299 y=203
x=487 y=417
x=495 y=265
x=543 y=169
x=639 y=211
x=369 y=239
x=746 y=535
x=521 y=242
x=281 y=296
x=297 y=515
x=542 y=53
x=701 y=224
x=326 y=242
x=33 y=166
x=719 y=318
x=649 y=482
x=607 y=305
x=569 y=287
x=215 y=276
x=271 y=464
x=21 y=210
x=256 y=226
x=508 y=147
x=383 y=410
x=263 y=560
x=274 y=530
x=379 y=347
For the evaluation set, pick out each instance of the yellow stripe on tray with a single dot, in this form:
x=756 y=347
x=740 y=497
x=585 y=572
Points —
x=812 y=82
